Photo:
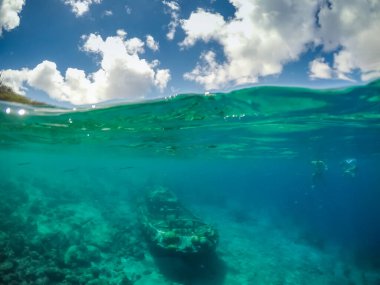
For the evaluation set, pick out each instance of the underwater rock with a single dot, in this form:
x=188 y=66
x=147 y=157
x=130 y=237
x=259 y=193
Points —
x=170 y=228
x=98 y=282
x=36 y=208
x=54 y=274
x=73 y=280
x=81 y=256
x=126 y=281
x=3 y=246
x=7 y=266
x=30 y=276
x=17 y=243
x=95 y=272
x=11 y=199
x=153 y=279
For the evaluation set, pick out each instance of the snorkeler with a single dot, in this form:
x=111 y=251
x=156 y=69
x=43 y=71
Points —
x=320 y=167
x=349 y=167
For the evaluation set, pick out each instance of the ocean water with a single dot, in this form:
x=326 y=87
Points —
x=289 y=177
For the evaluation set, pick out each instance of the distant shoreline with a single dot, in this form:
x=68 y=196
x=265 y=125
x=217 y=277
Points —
x=8 y=95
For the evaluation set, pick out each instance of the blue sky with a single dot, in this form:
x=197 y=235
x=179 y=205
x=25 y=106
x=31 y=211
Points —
x=73 y=52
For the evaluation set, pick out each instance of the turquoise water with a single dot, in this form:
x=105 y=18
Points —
x=241 y=161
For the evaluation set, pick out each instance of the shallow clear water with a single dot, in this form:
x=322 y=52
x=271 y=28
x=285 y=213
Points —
x=240 y=161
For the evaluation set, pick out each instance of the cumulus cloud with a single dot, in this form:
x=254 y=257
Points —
x=342 y=67
x=258 y=41
x=320 y=69
x=161 y=78
x=209 y=73
x=121 y=33
x=123 y=74
x=151 y=43
x=9 y=14
x=80 y=7
x=173 y=9
x=264 y=35
x=196 y=29
x=353 y=26
x=14 y=79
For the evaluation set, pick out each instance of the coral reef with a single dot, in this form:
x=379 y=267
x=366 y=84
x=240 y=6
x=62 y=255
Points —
x=54 y=239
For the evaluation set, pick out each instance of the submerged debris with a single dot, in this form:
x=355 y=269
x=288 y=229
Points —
x=170 y=228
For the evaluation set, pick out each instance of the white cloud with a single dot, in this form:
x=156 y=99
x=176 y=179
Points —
x=108 y=13
x=173 y=9
x=371 y=75
x=161 y=78
x=196 y=29
x=343 y=66
x=151 y=43
x=258 y=41
x=264 y=35
x=80 y=7
x=320 y=69
x=123 y=74
x=9 y=14
x=14 y=79
x=134 y=46
x=354 y=27
x=128 y=9
x=172 y=5
x=343 y=62
x=209 y=73
x=46 y=77
x=121 y=33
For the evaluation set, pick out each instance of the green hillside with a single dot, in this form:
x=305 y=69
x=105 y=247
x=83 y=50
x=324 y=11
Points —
x=7 y=94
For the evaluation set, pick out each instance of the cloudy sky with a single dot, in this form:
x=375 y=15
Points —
x=88 y=51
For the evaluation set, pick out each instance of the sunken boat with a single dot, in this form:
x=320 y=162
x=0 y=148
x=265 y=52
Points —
x=172 y=229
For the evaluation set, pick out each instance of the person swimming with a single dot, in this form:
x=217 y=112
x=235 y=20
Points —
x=320 y=167
x=349 y=167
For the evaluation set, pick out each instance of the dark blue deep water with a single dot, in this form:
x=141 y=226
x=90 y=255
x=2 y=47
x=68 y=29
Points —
x=289 y=178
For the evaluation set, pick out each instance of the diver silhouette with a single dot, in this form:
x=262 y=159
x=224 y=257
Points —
x=320 y=167
x=349 y=167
